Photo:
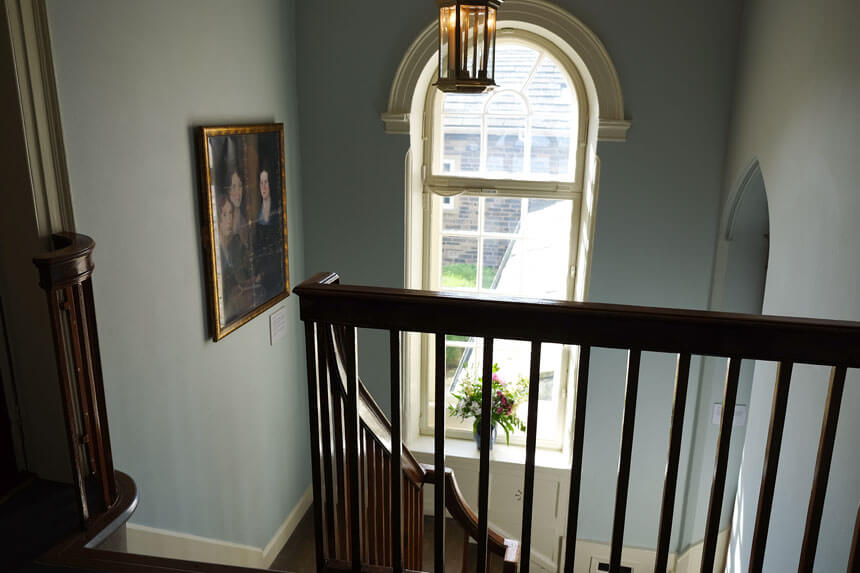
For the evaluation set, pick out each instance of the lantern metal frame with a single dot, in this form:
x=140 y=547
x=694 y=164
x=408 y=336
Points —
x=458 y=72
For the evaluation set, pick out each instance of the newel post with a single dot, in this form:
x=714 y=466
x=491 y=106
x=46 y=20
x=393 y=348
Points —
x=66 y=275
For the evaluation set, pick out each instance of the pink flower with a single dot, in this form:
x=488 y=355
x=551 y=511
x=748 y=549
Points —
x=496 y=378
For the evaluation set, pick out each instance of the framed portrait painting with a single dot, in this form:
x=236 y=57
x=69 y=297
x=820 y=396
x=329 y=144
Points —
x=244 y=221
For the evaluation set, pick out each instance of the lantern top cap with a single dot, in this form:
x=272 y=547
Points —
x=448 y=3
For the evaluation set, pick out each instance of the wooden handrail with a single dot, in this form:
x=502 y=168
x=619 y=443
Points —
x=375 y=420
x=738 y=337
x=70 y=260
x=772 y=338
x=456 y=504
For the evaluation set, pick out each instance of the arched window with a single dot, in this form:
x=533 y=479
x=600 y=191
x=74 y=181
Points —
x=503 y=191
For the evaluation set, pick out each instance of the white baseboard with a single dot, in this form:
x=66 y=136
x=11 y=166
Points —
x=589 y=553
x=642 y=560
x=145 y=540
x=538 y=560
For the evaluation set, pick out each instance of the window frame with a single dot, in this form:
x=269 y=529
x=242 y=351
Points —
x=435 y=187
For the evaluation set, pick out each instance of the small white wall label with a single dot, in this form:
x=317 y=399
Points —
x=740 y=415
x=277 y=325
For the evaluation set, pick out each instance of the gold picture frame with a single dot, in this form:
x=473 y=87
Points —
x=243 y=222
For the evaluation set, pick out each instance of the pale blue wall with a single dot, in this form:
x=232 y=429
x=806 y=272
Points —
x=214 y=434
x=657 y=215
x=740 y=284
x=796 y=110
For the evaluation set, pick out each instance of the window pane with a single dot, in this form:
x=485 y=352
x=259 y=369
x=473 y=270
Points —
x=463 y=104
x=534 y=109
x=550 y=152
x=502 y=214
x=458 y=352
x=549 y=92
x=505 y=144
x=495 y=254
x=464 y=358
x=549 y=399
x=514 y=64
x=535 y=264
x=459 y=262
x=468 y=365
x=506 y=103
x=543 y=257
x=513 y=358
x=462 y=144
x=460 y=213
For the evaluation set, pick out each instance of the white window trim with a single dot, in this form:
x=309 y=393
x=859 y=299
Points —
x=406 y=115
x=30 y=41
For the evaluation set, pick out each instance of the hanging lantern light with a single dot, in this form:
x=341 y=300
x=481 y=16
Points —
x=467 y=45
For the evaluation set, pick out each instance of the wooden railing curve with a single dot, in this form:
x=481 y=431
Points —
x=323 y=301
x=378 y=500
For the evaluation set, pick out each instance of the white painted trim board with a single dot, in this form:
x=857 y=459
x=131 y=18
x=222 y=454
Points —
x=145 y=540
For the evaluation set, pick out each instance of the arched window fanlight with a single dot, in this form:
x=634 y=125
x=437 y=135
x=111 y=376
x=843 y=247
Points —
x=467 y=45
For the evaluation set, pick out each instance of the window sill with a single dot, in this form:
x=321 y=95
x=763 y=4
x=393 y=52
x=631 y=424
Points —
x=501 y=453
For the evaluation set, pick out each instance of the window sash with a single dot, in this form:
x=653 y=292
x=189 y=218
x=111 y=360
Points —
x=432 y=276
x=480 y=121
x=538 y=189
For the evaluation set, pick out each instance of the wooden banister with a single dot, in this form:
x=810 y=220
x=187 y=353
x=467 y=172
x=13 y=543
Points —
x=324 y=301
x=370 y=467
x=771 y=338
x=65 y=274
x=328 y=307
x=463 y=514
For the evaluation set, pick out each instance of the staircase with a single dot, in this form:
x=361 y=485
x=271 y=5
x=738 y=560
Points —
x=378 y=495
x=368 y=489
x=349 y=434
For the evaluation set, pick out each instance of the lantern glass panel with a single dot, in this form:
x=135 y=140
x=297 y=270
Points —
x=480 y=28
x=472 y=45
x=466 y=39
x=491 y=42
x=447 y=43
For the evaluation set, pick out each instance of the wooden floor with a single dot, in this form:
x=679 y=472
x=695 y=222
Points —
x=297 y=556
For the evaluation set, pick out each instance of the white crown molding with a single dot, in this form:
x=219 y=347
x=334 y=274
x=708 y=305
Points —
x=40 y=115
x=419 y=54
x=612 y=129
x=396 y=123
x=586 y=51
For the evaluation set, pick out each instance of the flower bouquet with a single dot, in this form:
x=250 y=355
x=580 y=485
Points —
x=503 y=411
